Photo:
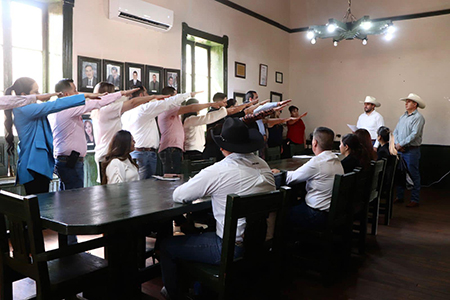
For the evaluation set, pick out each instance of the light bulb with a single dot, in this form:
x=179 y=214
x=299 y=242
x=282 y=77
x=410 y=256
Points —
x=335 y=43
x=313 y=41
x=390 y=29
x=310 y=34
x=389 y=37
x=366 y=25
x=364 y=42
x=331 y=27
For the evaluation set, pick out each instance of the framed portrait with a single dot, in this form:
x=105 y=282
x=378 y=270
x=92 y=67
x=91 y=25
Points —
x=263 y=69
x=239 y=69
x=239 y=97
x=89 y=73
x=89 y=132
x=153 y=79
x=113 y=73
x=134 y=75
x=278 y=77
x=172 y=78
x=276 y=97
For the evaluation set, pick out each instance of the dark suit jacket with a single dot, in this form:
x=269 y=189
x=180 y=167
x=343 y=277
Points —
x=154 y=86
x=115 y=81
x=84 y=82
x=138 y=83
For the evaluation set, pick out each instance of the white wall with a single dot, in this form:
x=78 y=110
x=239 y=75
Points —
x=329 y=82
x=250 y=40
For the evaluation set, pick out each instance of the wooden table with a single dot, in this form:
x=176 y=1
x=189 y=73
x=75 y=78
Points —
x=290 y=164
x=119 y=211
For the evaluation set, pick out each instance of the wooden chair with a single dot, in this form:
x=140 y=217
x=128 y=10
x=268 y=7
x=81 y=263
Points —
x=58 y=273
x=191 y=167
x=258 y=252
x=387 y=193
x=327 y=250
x=273 y=153
x=375 y=193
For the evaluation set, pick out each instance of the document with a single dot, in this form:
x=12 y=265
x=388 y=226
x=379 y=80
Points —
x=353 y=128
x=165 y=178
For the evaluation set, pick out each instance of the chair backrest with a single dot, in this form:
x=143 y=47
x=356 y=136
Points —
x=389 y=176
x=377 y=179
x=273 y=153
x=362 y=191
x=255 y=209
x=191 y=168
x=20 y=226
x=341 y=206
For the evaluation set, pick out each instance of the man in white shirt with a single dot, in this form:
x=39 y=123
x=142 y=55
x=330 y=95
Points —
x=141 y=122
x=240 y=172
x=371 y=120
x=319 y=175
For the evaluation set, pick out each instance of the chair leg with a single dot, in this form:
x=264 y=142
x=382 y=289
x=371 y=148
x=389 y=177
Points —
x=375 y=214
x=362 y=233
x=387 y=211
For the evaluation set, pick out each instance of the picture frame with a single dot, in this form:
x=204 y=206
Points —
x=278 y=77
x=134 y=75
x=276 y=97
x=172 y=78
x=263 y=72
x=239 y=97
x=240 y=69
x=88 y=126
x=154 y=79
x=113 y=73
x=89 y=73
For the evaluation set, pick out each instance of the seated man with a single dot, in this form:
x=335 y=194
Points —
x=240 y=172
x=319 y=176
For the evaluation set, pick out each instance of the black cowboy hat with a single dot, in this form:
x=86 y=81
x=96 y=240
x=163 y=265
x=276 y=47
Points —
x=237 y=137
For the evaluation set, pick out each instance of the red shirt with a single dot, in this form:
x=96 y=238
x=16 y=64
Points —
x=296 y=132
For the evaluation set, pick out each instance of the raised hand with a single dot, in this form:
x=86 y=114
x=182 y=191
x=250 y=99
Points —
x=195 y=93
x=285 y=102
x=219 y=104
x=129 y=92
x=46 y=97
x=94 y=95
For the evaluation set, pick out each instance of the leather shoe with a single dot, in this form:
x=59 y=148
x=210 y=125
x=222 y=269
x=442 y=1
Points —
x=397 y=200
x=412 y=204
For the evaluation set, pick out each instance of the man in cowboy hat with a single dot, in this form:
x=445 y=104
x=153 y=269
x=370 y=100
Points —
x=371 y=120
x=240 y=172
x=408 y=137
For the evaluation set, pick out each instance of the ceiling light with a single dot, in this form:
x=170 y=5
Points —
x=335 y=43
x=364 y=42
x=388 y=37
x=391 y=29
x=350 y=28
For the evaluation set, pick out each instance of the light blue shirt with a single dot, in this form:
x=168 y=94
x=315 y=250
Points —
x=260 y=123
x=409 y=129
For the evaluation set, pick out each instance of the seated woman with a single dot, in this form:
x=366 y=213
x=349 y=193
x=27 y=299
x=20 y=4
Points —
x=118 y=165
x=383 y=139
x=366 y=142
x=355 y=154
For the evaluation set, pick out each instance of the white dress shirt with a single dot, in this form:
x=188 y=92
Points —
x=11 y=101
x=319 y=176
x=141 y=123
x=194 y=129
x=371 y=122
x=237 y=173
x=121 y=171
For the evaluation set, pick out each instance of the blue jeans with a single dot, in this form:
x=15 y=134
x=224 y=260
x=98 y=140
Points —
x=70 y=178
x=306 y=217
x=146 y=161
x=412 y=159
x=171 y=158
x=205 y=248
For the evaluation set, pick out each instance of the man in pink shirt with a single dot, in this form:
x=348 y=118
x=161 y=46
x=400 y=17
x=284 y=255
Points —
x=69 y=139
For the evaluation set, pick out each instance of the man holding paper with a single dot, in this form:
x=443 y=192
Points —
x=370 y=120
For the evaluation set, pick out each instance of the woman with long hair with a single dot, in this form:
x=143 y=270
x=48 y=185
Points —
x=355 y=155
x=366 y=142
x=384 y=139
x=118 y=165
x=36 y=161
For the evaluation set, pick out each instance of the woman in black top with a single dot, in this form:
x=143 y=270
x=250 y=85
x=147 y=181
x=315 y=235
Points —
x=355 y=154
x=383 y=139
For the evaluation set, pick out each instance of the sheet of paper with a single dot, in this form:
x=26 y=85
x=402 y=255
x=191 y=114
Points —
x=166 y=178
x=353 y=128
x=302 y=156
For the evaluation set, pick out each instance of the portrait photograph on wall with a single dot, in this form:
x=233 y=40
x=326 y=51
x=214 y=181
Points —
x=239 y=97
x=276 y=97
x=89 y=132
x=134 y=75
x=89 y=73
x=154 y=79
x=278 y=77
x=263 y=69
x=172 y=78
x=239 y=69
x=113 y=73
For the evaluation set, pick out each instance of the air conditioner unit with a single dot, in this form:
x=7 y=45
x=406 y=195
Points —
x=141 y=13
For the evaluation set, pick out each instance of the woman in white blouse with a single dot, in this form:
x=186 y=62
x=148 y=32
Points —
x=118 y=165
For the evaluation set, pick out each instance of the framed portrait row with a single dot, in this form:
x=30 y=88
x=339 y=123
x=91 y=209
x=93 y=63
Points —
x=124 y=76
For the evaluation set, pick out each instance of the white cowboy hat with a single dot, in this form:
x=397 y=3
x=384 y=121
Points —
x=415 y=98
x=372 y=100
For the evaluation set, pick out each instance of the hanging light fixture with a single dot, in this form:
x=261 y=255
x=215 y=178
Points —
x=350 y=28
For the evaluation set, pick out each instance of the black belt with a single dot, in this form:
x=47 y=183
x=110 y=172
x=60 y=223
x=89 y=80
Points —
x=64 y=158
x=142 y=149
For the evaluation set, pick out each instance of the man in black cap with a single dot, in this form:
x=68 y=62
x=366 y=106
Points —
x=240 y=172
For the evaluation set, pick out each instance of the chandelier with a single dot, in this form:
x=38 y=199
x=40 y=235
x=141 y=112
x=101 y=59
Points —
x=350 y=28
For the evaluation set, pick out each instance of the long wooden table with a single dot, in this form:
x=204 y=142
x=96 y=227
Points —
x=119 y=211
x=289 y=164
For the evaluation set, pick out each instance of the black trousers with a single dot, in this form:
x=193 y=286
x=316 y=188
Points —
x=38 y=185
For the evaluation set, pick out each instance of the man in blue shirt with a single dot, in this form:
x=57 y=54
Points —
x=408 y=137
